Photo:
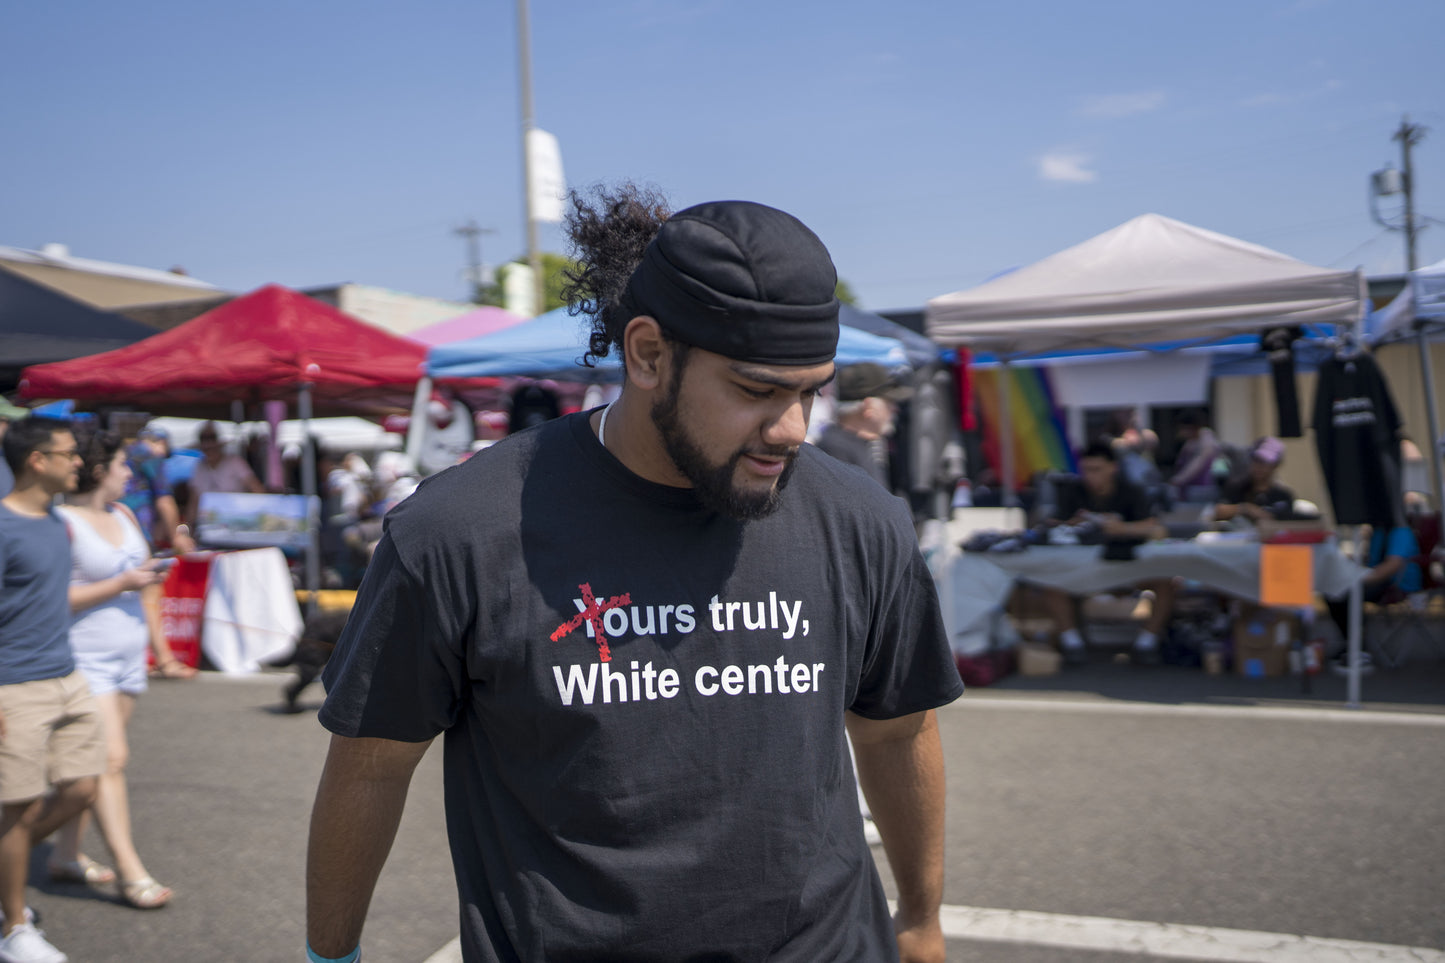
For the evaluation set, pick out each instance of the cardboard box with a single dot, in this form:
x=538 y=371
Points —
x=1036 y=659
x=1262 y=641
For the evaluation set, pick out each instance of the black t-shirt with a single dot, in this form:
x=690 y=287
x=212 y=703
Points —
x=848 y=448
x=692 y=796
x=1275 y=499
x=1357 y=436
x=1127 y=500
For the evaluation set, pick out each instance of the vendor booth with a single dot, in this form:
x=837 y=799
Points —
x=1150 y=281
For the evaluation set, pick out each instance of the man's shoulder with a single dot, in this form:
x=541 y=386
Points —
x=839 y=487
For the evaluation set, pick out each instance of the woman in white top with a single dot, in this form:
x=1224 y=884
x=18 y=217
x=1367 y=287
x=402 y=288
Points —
x=114 y=584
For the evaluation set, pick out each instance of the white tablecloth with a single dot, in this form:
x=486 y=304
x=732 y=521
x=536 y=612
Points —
x=979 y=583
x=251 y=615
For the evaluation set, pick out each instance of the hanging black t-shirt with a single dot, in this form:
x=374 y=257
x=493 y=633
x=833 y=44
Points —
x=643 y=700
x=1357 y=434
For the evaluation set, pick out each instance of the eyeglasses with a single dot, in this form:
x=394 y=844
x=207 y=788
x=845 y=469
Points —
x=67 y=453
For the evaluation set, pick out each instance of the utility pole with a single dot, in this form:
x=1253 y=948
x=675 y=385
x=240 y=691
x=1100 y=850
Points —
x=1409 y=135
x=524 y=61
x=473 y=235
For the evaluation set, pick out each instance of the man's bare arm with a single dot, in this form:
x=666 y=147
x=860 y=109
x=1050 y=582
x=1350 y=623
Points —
x=353 y=823
x=900 y=768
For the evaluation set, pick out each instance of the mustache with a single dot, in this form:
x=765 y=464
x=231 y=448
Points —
x=780 y=451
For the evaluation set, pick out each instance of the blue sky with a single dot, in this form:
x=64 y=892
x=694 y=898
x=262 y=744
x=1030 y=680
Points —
x=930 y=144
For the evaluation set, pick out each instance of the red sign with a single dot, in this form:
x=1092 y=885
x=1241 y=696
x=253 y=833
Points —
x=183 y=602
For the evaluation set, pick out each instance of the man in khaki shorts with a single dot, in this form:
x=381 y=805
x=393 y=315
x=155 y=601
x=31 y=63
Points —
x=50 y=736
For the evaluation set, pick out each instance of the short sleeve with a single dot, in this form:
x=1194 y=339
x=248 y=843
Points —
x=1401 y=542
x=908 y=666
x=156 y=475
x=397 y=671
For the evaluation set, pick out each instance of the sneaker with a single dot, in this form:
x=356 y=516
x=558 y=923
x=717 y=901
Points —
x=26 y=944
x=1340 y=664
x=870 y=832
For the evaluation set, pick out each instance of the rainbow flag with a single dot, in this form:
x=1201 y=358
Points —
x=1035 y=422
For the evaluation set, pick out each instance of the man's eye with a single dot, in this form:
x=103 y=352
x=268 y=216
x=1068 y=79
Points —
x=754 y=393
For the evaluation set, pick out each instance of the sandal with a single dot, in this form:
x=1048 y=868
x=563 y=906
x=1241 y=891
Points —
x=82 y=870
x=174 y=669
x=145 y=893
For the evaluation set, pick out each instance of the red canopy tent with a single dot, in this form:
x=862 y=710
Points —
x=263 y=346
x=273 y=344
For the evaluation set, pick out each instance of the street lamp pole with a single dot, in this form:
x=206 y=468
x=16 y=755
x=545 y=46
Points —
x=524 y=61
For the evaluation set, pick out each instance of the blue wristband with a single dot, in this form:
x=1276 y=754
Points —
x=315 y=957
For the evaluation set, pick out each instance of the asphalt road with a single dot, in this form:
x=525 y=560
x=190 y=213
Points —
x=1129 y=794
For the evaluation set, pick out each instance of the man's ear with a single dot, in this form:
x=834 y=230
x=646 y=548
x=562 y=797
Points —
x=644 y=347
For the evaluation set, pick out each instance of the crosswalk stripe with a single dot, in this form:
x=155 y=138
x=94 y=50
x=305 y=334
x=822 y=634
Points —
x=1167 y=940
x=1278 y=713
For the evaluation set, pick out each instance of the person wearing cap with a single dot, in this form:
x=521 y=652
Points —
x=868 y=399
x=148 y=492
x=217 y=471
x=642 y=629
x=1257 y=496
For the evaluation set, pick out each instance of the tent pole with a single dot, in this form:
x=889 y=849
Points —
x=416 y=428
x=1431 y=451
x=1355 y=633
x=1005 y=436
x=308 y=488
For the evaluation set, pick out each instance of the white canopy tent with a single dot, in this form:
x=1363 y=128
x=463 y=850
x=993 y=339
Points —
x=1150 y=279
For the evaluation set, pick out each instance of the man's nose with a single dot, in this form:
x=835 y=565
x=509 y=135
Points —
x=790 y=428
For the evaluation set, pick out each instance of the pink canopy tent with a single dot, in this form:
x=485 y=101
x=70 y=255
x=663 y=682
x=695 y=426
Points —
x=473 y=324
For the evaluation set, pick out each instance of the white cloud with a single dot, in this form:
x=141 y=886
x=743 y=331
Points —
x=1121 y=105
x=1277 y=99
x=1066 y=166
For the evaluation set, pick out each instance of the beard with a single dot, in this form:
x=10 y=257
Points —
x=714 y=482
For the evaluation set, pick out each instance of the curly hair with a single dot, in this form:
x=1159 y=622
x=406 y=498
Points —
x=96 y=452
x=609 y=231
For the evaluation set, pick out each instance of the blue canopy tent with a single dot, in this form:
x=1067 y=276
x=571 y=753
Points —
x=552 y=346
x=920 y=349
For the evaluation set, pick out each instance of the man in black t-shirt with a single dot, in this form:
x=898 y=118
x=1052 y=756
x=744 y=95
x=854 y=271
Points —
x=1108 y=503
x=868 y=399
x=642 y=630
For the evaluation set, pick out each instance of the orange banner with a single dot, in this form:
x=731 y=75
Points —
x=1286 y=576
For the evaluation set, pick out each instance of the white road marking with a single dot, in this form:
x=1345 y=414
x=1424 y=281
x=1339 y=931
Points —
x=1170 y=941
x=451 y=953
x=1278 y=713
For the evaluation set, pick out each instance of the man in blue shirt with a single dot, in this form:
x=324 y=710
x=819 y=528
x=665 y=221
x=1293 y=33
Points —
x=51 y=746
x=1393 y=561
